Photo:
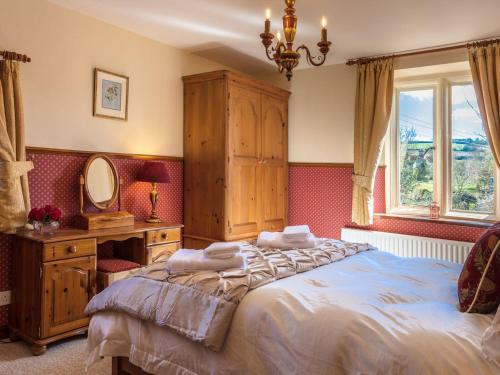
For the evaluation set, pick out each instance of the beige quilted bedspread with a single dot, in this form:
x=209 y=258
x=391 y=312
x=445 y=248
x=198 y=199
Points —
x=200 y=306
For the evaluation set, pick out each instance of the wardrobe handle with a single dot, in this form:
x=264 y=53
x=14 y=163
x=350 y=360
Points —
x=72 y=249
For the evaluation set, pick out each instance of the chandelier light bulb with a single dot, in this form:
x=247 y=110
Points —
x=324 y=33
x=267 y=23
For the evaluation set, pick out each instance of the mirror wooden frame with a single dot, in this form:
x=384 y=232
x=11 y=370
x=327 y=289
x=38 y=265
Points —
x=102 y=219
x=83 y=185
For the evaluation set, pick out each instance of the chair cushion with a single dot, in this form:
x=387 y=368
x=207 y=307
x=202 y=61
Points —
x=479 y=282
x=112 y=265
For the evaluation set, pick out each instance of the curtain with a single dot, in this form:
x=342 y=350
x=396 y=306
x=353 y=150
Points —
x=375 y=83
x=485 y=66
x=14 y=193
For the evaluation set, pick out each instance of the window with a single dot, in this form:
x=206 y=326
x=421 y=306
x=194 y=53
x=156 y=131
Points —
x=439 y=151
x=416 y=147
x=472 y=165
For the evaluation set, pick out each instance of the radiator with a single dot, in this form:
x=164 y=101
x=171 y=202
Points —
x=410 y=246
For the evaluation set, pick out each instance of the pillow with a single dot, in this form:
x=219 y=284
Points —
x=479 y=282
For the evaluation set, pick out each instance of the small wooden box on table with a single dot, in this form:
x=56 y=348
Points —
x=55 y=276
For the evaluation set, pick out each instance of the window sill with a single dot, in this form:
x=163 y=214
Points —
x=442 y=220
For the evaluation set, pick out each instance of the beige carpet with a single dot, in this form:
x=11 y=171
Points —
x=63 y=358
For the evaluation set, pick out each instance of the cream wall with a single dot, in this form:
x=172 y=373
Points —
x=65 y=46
x=321 y=114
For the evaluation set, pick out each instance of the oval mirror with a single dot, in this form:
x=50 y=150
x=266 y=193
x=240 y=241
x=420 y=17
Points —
x=101 y=181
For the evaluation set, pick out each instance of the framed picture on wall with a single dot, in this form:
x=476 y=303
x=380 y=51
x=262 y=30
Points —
x=110 y=95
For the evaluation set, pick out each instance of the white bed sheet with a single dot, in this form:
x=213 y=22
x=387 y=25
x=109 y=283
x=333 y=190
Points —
x=372 y=313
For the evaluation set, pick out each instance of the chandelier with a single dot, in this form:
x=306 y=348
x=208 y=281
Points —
x=283 y=54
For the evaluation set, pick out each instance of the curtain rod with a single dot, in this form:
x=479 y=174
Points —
x=470 y=44
x=14 y=56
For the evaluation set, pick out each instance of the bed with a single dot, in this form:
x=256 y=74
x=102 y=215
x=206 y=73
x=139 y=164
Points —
x=372 y=313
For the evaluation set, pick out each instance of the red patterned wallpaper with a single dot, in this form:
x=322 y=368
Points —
x=55 y=181
x=322 y=198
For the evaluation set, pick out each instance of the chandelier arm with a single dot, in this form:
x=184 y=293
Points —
x=311 y=59
x=269 y=53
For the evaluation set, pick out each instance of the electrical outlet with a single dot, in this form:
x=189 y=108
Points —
x=5 y=298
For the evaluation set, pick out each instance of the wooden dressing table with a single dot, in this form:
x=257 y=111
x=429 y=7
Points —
x=55 y=275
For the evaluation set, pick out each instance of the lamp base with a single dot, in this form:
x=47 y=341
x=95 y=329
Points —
x=153 y=220
x=153 y=196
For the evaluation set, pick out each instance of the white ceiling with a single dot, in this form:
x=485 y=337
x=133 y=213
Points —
x=228 y=30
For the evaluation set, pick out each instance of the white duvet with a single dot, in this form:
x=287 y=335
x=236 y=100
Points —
x=372 y=313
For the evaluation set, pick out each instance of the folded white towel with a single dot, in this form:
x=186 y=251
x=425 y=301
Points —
x=306 y=243
x=190 y=261
x=267 y=239
x=223 y=250
x=277 y=240
x=291 y=229
x=297 y=232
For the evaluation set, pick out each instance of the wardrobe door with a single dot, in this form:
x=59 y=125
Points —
x=204 y=158
x=274 y=130
x=244 y=149
x=274 y=163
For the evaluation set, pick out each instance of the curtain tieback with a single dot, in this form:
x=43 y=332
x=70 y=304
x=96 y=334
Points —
x=10 y=170
x=363 y=181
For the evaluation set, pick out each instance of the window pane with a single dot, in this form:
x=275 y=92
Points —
x=416 y=147
x=472 y=179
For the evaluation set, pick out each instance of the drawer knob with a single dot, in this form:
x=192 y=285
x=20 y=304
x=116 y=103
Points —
x=72 y=249
x=164 y=236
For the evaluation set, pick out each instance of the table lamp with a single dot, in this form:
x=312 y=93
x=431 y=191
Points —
x=154 y=172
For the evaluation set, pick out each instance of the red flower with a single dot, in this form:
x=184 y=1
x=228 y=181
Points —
x=55 y=214
x=36 y=214
x=47 y=214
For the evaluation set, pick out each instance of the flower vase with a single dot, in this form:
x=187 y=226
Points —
x=46 y=228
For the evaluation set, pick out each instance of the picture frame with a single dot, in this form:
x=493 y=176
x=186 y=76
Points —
x=110 y=95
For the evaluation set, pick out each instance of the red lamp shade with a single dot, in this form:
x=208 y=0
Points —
x=153 y=171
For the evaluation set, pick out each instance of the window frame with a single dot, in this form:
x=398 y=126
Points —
x=408 y=85
x=442 y=85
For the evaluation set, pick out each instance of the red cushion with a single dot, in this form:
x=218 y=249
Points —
x=113 y=265
x=479 y=282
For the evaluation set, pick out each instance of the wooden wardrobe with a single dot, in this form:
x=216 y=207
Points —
x=235 y=158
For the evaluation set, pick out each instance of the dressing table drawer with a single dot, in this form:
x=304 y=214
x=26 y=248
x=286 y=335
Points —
x=160 y=236
x=155 y=253
x=69 y=249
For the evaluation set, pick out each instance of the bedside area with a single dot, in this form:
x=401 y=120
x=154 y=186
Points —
x=55 y=276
